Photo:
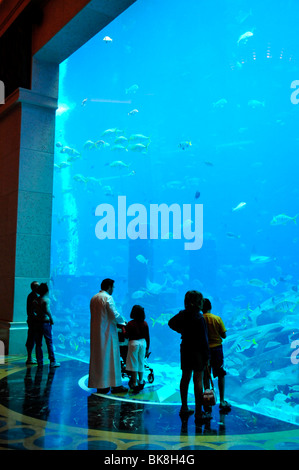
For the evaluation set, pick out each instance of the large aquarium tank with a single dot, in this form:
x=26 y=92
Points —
x=176 y=168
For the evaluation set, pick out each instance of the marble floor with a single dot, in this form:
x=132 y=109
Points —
x=54 y=409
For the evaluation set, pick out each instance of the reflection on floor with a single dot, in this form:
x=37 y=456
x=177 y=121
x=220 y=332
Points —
x=54 y=409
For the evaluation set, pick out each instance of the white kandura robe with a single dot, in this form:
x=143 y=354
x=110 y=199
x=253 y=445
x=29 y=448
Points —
x=104 y=366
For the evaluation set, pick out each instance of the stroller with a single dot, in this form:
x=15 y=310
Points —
x=123 y=349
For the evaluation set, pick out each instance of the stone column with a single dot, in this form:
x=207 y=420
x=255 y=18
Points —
x=27 y=134
x=27 y=124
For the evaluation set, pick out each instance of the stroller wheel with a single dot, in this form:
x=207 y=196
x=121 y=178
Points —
x=150 y=377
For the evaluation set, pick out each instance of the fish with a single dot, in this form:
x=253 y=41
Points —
x=208 y=163
x=107 y=39
x=244 y=344
x=257 y=259
x=285 y=306
x=59 y=144
x=139 y=137
x=241 y=205
x=119 y=148
x=61 y=338
x=81 y=178
x=169 y=263
x=89 y=144
x=121 y=140
x=110 y=132
x=162 y=319
x=133 y=112
x=154 y=287
x=178 y=283
x=283 y=219
x=141 y=259
x=138 y=147
x=237 y=65
x=62 y=165
x=257 y=283
x=101 y=144
x=83 y=102
x=197 y=195
x=73 y=344
x=119 y=164
x=184 y=145
x=139 y=294
x=73 y=158
x=244 y=37
x=132 y=89
x=82 y=340
x=252 y=373
x=69 y=151
x=256 y=104
x=232 y=235
x=220 y=103
x=108 y=190
x=92 y=179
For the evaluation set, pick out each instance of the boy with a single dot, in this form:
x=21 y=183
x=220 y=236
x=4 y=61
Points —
x=216 y=332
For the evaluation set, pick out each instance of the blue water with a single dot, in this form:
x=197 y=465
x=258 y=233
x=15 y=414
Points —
x=195 y=76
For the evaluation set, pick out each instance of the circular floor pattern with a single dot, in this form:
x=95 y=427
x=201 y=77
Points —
x=68 y=414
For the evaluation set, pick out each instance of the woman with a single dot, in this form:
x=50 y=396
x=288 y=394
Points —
x=194 y=350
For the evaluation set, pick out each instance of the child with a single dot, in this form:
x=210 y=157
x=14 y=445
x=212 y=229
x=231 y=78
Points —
x=137 y=332
x=194 y=351
x=216 y=331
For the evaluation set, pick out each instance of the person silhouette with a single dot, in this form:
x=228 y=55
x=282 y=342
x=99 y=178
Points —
x=104 y=364
x=43 y=326
x=30 y=343
x=194 y=351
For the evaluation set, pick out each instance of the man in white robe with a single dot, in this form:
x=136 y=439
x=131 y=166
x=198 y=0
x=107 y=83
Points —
x=104 y=366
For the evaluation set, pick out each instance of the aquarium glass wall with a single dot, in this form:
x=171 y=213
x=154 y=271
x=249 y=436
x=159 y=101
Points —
x=193 y=107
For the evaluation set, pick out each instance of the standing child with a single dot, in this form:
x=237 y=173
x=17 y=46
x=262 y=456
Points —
x=137 y=332
x=216 y=332
x=194 y=351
